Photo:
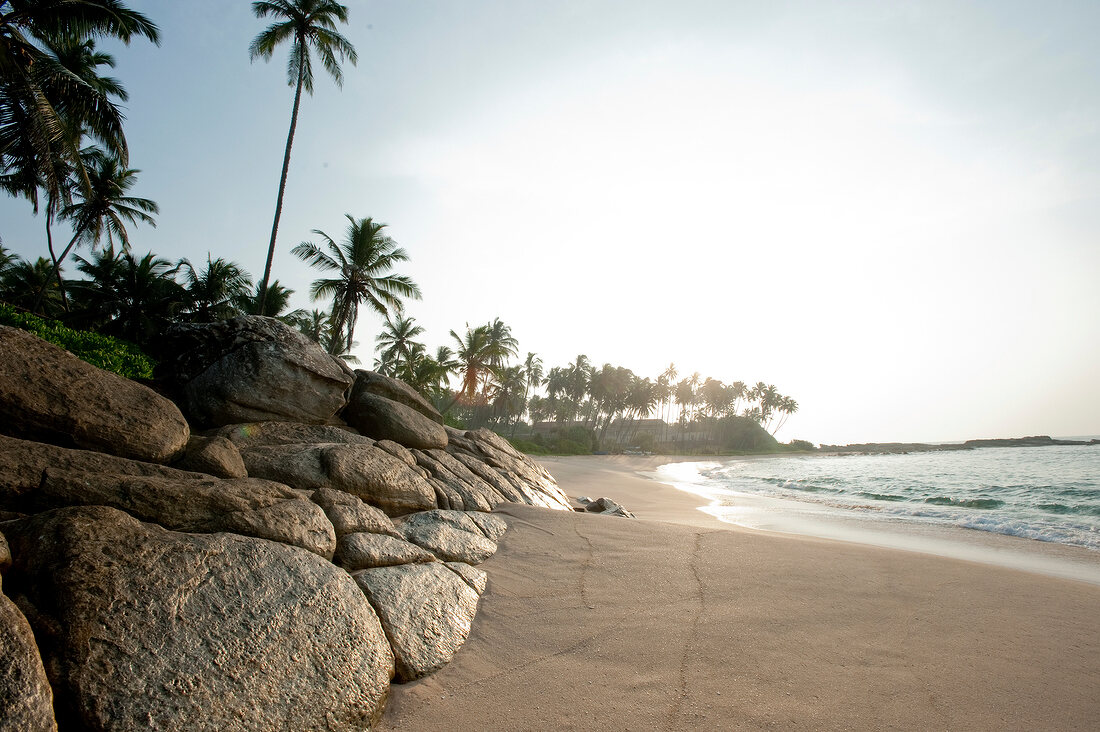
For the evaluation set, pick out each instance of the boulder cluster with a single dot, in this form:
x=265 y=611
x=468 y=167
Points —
x=269 y=546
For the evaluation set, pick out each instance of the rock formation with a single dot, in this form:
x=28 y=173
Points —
x=275 y=571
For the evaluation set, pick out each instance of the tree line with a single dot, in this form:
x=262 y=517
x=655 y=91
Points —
x=63 y=150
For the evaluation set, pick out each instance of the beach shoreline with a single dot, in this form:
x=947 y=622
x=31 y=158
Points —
x=678 y=621
x=665 y=501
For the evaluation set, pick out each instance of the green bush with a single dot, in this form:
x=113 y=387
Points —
x=801 y=445
x=105 y=352
x=526 y=446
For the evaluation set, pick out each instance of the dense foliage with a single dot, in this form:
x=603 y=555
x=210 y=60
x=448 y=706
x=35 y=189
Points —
x=111 y=354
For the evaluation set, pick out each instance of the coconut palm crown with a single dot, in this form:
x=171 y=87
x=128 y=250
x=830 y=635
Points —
x=362 y=264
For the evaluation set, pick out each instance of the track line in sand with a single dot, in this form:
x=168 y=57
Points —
x=689 y=643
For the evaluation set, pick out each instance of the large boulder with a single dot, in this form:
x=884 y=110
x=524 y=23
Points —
x=426 y=611
x=351 y=515
x=26 y=700
x=363 y=551
x=48 y=394
x=384 y=419
x=23 y=462
x=259 y=434
x=362 y=470
x=247 y=506
x=215 y=456
x=448 y=537
x=470 y=497
x=143 y=628
x=254 y=369
x=371 y=382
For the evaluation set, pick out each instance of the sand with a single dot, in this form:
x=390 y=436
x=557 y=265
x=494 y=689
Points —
x=676 y=621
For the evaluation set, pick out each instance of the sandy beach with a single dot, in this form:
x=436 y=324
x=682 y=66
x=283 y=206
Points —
x=677 y=621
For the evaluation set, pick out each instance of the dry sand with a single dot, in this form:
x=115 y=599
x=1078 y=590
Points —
x=676 y=621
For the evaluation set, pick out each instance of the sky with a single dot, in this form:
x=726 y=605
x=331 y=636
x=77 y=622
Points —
x=888 y=210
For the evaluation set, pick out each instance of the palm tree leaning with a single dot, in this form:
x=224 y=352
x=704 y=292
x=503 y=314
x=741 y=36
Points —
x=104 y=207
x=362 y=263
x=307 y=24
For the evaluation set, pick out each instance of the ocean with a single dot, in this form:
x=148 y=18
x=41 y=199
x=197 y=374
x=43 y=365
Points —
x=1050 y=494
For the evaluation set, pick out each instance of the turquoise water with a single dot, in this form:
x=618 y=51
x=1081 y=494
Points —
x=1045 y=493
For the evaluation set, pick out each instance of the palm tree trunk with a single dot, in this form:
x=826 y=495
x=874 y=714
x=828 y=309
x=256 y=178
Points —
x=282 y=185
x=53 y=257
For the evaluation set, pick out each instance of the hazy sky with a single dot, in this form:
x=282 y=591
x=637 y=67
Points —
x=889 y=210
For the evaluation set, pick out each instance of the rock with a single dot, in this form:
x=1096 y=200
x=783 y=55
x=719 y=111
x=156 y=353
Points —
x=484 y=488
x=145 y=628
x=474 y=577
x=299 y=466
x=445 y=496
x=48 y=394
x=258 y=434
x=379 y=478
x=363 y=551
x=254 y=369
x=471 y=498
x=5 y=554
x=492 y=526
x=461 y=520
x=247 y=506
x=362 y=470
x=426 y=611
x=26 y=700
x=215 y=456
x=440 y=535
x=350 y=515
x=371 y=382
x=489 y=475
x=23 y=462
x=385 y=419
x=400 y=452
x=607 y=507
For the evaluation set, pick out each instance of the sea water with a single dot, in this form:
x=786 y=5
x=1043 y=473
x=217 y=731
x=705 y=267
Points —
x=1049 y=493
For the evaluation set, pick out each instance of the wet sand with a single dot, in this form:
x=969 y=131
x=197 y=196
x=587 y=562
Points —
x=677 y=621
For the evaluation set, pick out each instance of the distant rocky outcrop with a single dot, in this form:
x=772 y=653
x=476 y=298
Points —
x=274 y=572
x=874 y=448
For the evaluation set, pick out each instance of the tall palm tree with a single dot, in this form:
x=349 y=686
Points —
x=307 y=24
x=215 y=290
x=396 y=342
x=474 y=362
x=532 y=372
x=38 y=93
x=502 y=346
x=362 y=262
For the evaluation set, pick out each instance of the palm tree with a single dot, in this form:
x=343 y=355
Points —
x=132 y=298
x=104 y=207
x=306 y=24
x=277 y=300
x=38 y=94
x=363 y=262
x=22 y=281
x=215 y=290
x=474 y=362
x=532 y=372
x=502 y=346
x=397 y=344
